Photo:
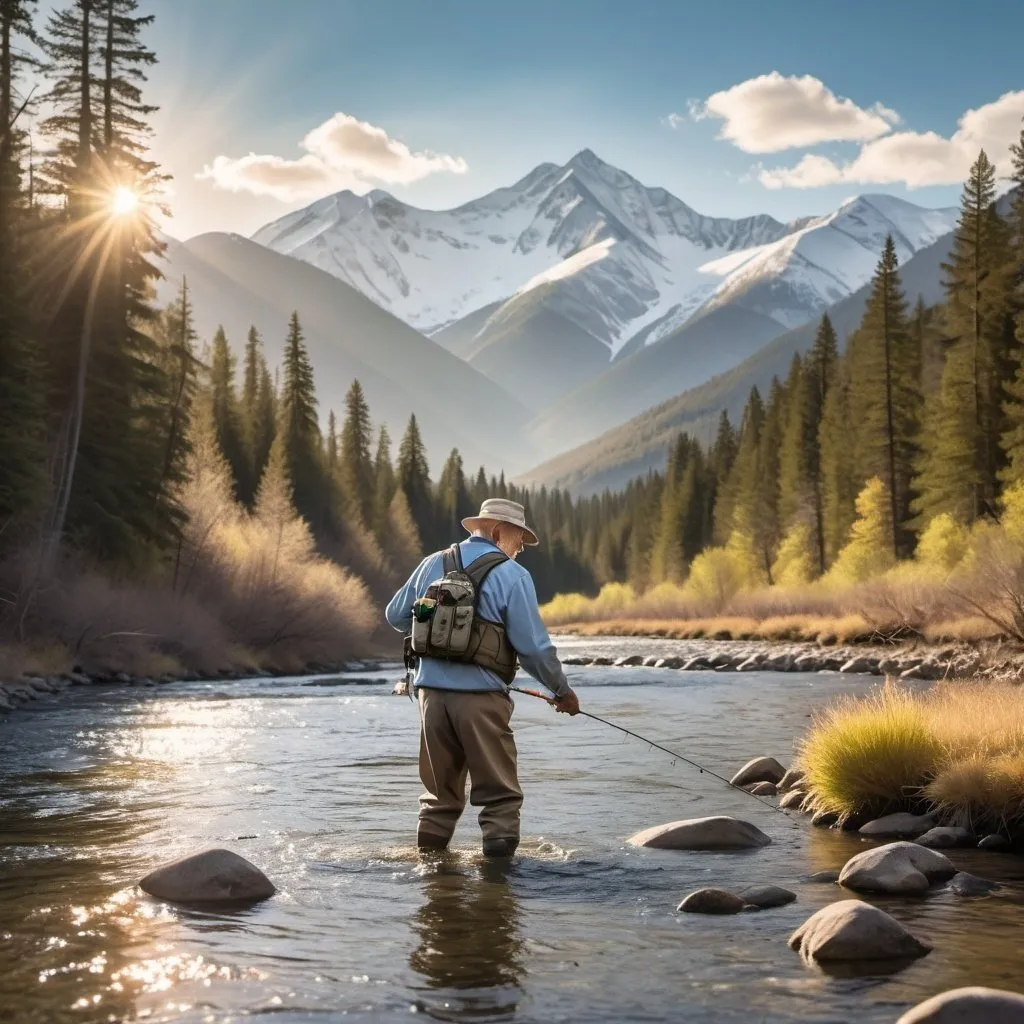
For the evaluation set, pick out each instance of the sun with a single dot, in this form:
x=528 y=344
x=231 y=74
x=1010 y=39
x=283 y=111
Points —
x=123 y=201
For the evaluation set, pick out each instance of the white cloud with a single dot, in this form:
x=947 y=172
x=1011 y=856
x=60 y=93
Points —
x=915 y=159
x=774 y=112
x=343 y=152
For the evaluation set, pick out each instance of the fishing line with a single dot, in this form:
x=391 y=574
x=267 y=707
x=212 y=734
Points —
x=658 y=746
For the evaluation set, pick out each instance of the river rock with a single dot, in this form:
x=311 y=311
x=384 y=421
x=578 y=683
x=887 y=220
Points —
x=762 y=789
x=601 y=660
x=213 y=876
x=859 y=665
x=629 y=660
x=854 y=930
x=697 y=663
x=720 y=660
x=824 y=818
x=765 y=897
x=791 y=778
x=964 y=884
x=751 y=664
x=903 y=868
x=760 y=769
x=714 y=833
x=994 y=842
x=824 y=877
x=650 y=661
x=672 y=662
x=794 y=798
x=968 y=1006
x=945 y=837
x=901 y=825
x=575 y=659
x=807 y=663
x=711 y=901
x=890 y=667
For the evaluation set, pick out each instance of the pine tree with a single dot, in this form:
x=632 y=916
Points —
x=1012 y=440
x=736 y=500
x=300 y=431
x=977 y=313
x=383 y=484
x=453 y=501
x=264 y=420
x=331 y=450
x=868 y=552
x=227 y=418
x=356 y=466
x=839 y=485
x=177 y=338
x=22 y=386
x=405 y=545
x=886 y=394
x=413 y=479
x=108 y=387
x=252 y=366
x=794 y=473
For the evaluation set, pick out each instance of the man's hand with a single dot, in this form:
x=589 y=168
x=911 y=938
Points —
x=569 y=704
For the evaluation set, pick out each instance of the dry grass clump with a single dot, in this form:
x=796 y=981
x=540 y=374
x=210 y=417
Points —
x=956 y=747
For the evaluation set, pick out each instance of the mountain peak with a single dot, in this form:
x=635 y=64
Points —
x=586 y=158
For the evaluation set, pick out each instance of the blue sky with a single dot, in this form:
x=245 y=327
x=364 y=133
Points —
x=492 y=89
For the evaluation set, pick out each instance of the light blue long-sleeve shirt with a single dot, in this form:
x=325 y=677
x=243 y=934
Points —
x=507 y=596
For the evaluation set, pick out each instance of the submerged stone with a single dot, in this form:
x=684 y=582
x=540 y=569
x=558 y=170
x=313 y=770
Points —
x=713 y=833
x=213 y=876
x=964 y=884
x=711 y=901
x=764 y=897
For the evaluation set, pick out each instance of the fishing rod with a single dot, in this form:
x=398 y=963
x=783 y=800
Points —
x=651 y=743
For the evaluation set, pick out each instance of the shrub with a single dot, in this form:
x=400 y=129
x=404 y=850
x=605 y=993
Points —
x=870 y=754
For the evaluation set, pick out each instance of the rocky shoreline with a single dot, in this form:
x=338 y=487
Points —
x=897 y=661
x=28 y=689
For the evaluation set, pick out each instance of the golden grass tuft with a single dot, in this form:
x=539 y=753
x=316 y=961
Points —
x=958 y=747
x=867 y=754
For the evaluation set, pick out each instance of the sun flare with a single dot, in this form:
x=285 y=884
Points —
x=123 y=201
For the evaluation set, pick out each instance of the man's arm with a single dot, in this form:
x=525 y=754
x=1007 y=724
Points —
x=528 y=635
x=399 y=609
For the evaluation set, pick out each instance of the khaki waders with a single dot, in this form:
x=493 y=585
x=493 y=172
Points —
x=464 y=733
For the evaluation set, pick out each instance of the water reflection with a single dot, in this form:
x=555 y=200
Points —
x=470 y=944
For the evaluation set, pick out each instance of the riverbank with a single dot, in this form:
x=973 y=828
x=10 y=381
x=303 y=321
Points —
x=31 y=687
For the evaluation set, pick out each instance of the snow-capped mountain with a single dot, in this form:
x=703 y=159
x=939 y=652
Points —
x=431 y=268
x=541 y=284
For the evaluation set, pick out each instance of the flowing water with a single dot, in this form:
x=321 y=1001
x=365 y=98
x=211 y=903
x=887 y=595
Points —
x=315 y=781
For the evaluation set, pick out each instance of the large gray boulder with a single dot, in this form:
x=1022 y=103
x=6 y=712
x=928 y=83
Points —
x=715 y=833
x=711 y=901
x=760 y=769
x=213 y=876
x=968 y=1006
x=901 y=825
x=852 y=930
x=902 y=868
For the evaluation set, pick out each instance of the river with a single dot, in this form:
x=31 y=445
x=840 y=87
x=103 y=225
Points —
x=315 y=781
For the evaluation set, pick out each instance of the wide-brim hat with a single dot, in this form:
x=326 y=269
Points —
x=501 y=510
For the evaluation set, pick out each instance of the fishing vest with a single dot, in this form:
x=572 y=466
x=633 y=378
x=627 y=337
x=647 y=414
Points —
x=445 y=623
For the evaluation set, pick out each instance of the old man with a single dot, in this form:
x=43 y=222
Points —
x=465 y=707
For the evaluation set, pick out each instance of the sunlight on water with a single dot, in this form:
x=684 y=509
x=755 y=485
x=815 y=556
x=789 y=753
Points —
x=317 y=785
